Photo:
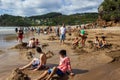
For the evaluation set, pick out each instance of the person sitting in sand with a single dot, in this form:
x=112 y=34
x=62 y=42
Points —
x=60 y=70
x=36 y=42
x=37 y=63
x=76 y=42
x=31 y=43
x=97 y=42
x=103 y=42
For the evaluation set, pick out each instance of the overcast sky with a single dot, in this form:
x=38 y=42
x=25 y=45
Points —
x=38 y=7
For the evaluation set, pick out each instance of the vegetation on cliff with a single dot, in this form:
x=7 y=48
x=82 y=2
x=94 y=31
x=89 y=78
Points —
x=110 y=10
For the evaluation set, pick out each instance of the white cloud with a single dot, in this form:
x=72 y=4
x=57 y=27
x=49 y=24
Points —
x=38 y=7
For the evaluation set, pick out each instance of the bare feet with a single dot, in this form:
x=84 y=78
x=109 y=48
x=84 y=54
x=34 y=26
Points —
x=72 y=74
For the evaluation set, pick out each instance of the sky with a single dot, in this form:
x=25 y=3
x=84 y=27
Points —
x=39 y=7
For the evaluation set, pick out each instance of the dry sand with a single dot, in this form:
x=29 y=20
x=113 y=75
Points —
x=88 y=65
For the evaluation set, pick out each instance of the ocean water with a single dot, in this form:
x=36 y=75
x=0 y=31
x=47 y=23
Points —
x=6 y=31
x=9 y=32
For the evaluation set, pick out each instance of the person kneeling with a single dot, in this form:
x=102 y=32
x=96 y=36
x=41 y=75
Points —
x=60 y=70
x=76 y=42
x=37 y=63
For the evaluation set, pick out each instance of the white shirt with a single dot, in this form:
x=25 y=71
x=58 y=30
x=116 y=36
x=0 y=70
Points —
x=62 y=30
x=30 y=44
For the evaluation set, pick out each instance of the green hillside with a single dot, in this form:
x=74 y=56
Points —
x=48 y=19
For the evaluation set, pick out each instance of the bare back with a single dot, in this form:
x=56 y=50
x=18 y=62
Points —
x=43 y=59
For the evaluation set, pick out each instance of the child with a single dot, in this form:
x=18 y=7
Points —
x=37 y=42
x=32 y=43
x=60 y=70
x=76 y=41
x=97 y=42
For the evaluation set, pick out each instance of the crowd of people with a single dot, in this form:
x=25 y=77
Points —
x=64 y=65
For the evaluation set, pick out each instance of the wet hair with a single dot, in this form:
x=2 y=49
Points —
x=39 y=50
x=33 y=38
x=62 y=52
x=36 y=39
x=96 y=36
x=76 y=38
x=103 y=37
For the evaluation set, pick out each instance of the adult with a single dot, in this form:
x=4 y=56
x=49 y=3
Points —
x=16 y=30
x=103 y=42
x=20 y=35
x=37 y=63
x=38 y=31
x=82 y=35
x=97 y=42
x=76 y=42
x=37 y=42
x=62 y=34
x=32 y=43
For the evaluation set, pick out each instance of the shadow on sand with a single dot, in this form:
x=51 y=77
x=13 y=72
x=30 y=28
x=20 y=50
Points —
x=67 y=76
x=78 y=71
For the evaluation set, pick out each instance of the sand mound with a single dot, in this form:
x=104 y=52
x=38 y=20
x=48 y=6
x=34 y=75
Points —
x=70 y=39
x=115 y=46
x=112 y=34
x=45 y=45
x=80 y=51
x=18 y=75
x=49 y=54
x=100 y=34
x=115 y=75
x=90 y=44
x=20 y=46
x=52 y=38
x=27 y=55
x=76 y=34
x=115 y=54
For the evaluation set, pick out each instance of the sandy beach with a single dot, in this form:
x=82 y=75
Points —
x=87 y=65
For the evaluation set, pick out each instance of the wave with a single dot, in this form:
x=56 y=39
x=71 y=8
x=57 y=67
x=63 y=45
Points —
x=7 y=30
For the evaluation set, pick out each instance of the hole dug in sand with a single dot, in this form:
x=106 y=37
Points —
x=20 y=46
x=49 y=54
x=115 y=54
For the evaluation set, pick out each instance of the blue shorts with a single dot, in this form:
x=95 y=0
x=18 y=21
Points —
x=62 y=37
x=34 y=66
x=58 y=72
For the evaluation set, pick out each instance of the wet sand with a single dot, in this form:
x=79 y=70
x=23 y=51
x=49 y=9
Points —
x=94 y=65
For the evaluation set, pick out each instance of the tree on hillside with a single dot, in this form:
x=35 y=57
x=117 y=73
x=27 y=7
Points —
x=110 y=10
